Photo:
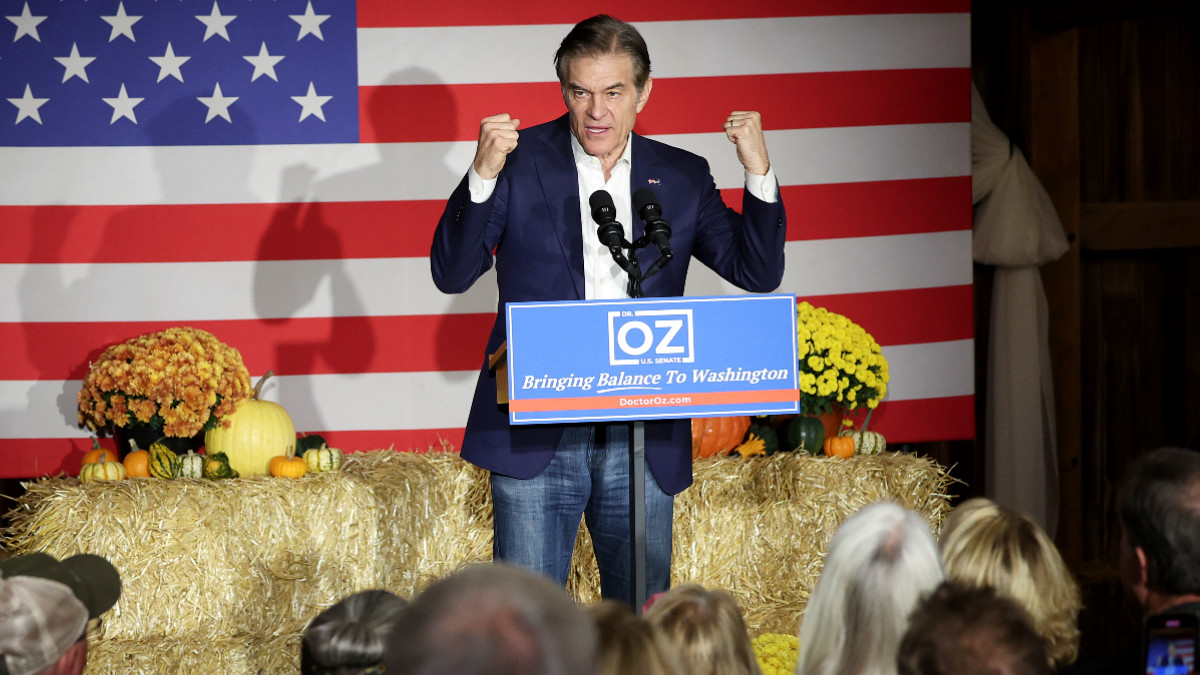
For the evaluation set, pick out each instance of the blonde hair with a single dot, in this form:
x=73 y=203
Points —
x=630 y=644
x=986 y=544
x=881 y=562
x=707 y=630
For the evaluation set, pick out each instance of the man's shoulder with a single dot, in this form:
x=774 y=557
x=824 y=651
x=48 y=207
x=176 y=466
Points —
x=669 y=153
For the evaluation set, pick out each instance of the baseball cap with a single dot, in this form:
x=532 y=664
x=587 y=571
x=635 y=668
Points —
x=42 y=619
x=92 y=578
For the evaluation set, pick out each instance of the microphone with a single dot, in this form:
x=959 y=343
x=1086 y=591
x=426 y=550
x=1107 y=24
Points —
x=645 y=203
x=604 y=212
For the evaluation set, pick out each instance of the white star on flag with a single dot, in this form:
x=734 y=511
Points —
x=218 y=104
x=122 y=23
x=168 y=64
x=123 y=106
x=75 y=64
x=310 y=103
x=310 y=23
x=215 y=23
x=27 y=24
x=264 y=63
x=27 y=106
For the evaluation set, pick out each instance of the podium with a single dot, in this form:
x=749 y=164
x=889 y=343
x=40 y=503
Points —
x=640 y=359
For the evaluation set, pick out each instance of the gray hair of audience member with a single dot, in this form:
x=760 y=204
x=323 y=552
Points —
x=631 y=644
x=40 y=620
x=598 y=36
x=493 y=618
x=1160 y=513
x=706 y=628
x=880 y=563
x=970 y=631
x=351 y=636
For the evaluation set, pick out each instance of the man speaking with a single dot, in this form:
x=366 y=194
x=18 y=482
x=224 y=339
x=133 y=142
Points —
x=524 y=207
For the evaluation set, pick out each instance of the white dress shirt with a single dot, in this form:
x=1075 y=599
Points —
x=603 y=278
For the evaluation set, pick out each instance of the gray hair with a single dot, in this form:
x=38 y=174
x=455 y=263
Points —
x=600 y=35
x=881 y=562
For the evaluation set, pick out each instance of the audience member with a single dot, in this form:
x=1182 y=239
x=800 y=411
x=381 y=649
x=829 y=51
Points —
x=36 y=621
x=349 y=638
x=961 y=630
x=706 y=628
x=986 y=544
x=492 y=618
x=880 y=563
x=630 y=644
x=41 y=625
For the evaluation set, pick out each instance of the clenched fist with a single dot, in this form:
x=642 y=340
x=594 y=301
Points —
x=744 y=129
x=497 y=138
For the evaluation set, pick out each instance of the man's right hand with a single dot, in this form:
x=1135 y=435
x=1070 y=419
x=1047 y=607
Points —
x=497 y=138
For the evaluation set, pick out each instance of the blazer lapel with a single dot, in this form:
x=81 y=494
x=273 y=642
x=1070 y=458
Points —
x=555 y=166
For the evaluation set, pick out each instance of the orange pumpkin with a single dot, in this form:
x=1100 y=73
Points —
x=137 y=464
x=839 y=446
x=99 y=453
x=288 y=466
x=715 y=435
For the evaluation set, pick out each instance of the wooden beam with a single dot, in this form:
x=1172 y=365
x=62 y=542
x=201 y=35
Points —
x=1132 y=226
x=1061 y=14
x=1054 y=156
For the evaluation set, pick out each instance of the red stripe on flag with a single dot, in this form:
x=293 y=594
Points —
x=389 y=13
x=929 y=419
x=38 y=457
x=681 y=105
x=451 y=342
x=311 y=346
x=946 y=313
x=404 y=229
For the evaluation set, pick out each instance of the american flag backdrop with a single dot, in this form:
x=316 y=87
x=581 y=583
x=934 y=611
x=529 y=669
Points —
x=272 y=171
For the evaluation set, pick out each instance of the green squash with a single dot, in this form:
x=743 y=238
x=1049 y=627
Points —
x=308 y=442
x=164 y=463
x=769 y=436
x=806 y=433
x=216 y=467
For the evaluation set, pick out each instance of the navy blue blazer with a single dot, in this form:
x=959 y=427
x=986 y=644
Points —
x=532 y=223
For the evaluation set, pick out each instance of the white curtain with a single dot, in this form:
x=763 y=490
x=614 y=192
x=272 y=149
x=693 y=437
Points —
x=1016 y=230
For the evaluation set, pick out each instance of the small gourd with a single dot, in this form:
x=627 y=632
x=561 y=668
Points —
x=753 y=446
x=323 y=459
x=289 y=465
x=137 y=462
x=191 y=465
x=99 y=453
x=867 y=442
x=105 y=470
x=216 y=467
x=163 y=462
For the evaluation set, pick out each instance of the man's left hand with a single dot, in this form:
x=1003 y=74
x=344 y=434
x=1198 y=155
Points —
x=744 y=129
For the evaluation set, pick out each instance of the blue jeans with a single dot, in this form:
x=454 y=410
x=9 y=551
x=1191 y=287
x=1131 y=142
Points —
x=536 y=520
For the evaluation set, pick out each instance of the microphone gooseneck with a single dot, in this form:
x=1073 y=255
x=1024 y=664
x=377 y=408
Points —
x=612 y=235
x=657 y=232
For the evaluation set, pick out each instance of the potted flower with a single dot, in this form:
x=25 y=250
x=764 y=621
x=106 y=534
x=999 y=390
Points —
x=176 y=383
x=842 y=368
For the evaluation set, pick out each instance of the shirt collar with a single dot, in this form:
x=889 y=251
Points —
x=581 y=156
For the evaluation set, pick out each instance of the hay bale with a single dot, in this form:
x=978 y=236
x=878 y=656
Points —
x=224 y=576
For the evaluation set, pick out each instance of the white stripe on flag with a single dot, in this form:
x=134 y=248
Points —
x=402 y=171
x=402 y=286
x=431 y=400
x=469 y=54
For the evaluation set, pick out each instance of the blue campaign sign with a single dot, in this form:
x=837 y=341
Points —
x=652 y=358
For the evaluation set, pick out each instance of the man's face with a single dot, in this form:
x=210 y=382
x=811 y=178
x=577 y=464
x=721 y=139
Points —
x=603 y=103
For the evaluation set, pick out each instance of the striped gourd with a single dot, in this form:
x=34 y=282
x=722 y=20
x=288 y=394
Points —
x=323 y=458
x=216 y=467
x=191 y=465
x=101 y=471
x=163 y=462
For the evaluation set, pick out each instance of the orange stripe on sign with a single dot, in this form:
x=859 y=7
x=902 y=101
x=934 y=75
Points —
x=634 y=401
x=681 y=105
